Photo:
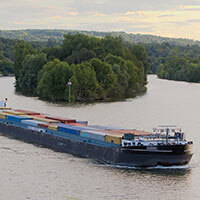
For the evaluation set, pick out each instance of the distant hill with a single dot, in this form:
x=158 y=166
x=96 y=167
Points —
x=57 y=35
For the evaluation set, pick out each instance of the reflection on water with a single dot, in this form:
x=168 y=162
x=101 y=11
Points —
x=32 y=172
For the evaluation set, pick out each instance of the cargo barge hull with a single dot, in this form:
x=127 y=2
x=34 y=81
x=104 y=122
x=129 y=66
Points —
x=164 y=155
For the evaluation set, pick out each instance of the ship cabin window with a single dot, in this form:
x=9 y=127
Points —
x=112 y=141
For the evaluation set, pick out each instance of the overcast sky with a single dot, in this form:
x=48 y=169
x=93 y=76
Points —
x=171 y=18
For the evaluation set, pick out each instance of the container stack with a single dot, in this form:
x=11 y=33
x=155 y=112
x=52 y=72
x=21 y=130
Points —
x=65 y=126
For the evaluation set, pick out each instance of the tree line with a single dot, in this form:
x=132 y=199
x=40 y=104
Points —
x=99 y=69
x=41 y=35
x=181 y=69
x=6 y=56
x=174 y=62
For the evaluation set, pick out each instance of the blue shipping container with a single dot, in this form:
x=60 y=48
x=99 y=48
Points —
x=17 y=118
x=67 y=129
x=82 y=122
x=93 y=135
x=106 y=127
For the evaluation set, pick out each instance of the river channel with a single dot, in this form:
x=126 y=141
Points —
x=35 y=173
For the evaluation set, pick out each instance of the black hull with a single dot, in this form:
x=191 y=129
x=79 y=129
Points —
x=164 y=155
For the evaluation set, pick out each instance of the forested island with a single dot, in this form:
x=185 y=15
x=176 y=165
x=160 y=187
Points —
x=99 y=69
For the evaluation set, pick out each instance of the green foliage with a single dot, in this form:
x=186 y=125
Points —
x=181 y=69
x=99 y=68
x=56 y=36
x=31 y=65
x=78 y=48
x=107 y=79
x=54 y=52
x=160 y=53
x=140 y=52
x=55 y=76
x=6 y=67
x=6 y=48
x=22 y=49
x=88 y=82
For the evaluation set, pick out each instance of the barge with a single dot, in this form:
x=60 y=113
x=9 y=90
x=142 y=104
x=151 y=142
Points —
x=165 y=145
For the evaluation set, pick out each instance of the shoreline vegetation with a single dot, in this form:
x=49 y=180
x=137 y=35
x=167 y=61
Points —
x=98 y=69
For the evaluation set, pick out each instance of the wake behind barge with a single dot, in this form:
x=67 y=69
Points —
x=165 y=146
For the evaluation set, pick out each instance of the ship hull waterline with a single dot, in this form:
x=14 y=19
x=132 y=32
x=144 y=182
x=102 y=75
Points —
x=108 y=155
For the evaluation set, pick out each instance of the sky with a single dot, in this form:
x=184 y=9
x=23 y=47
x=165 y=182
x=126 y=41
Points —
x=168 y=18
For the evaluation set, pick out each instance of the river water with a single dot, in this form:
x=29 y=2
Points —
x=32 y=172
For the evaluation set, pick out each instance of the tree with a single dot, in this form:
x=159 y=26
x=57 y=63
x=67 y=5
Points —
x=6 y=67
x=21 y=49
x=28 y=77
x=53 y=80
x=107 y=79
x=141 y=54
x=88 y=82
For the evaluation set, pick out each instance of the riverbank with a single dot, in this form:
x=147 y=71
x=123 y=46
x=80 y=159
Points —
x=9 y=75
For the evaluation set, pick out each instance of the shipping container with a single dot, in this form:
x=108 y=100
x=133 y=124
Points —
x=70 y=126
x=31 y=122
x=105 y=127
x=116 y=139
x=2 y=116
x=16 y=118
x=82 y=122
x=43 y=125
x=27 y=112
x=29 y=116
x=5 y=108
x=53 y=127
x=12 y=112
x=43 y=119
x=67 y=129
x=93 y=135
x=62 y=120
x=77 y=124
x=40 y=116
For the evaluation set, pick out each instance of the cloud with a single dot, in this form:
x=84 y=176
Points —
x=155 y=16
x=191 y=7
x=119 y=6
x=96 y=13
x=166 y=16
x=193 y=21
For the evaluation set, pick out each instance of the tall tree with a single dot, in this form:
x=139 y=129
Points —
x=28 y=78
x=21 y=49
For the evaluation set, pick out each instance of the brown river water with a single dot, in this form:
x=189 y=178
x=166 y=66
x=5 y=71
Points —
x=32 y=172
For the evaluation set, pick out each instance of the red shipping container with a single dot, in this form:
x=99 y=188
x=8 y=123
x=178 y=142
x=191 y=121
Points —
x=28 y=112
x=43 y=125
x=77 y=124
x=41 y=116
x=62 y=120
